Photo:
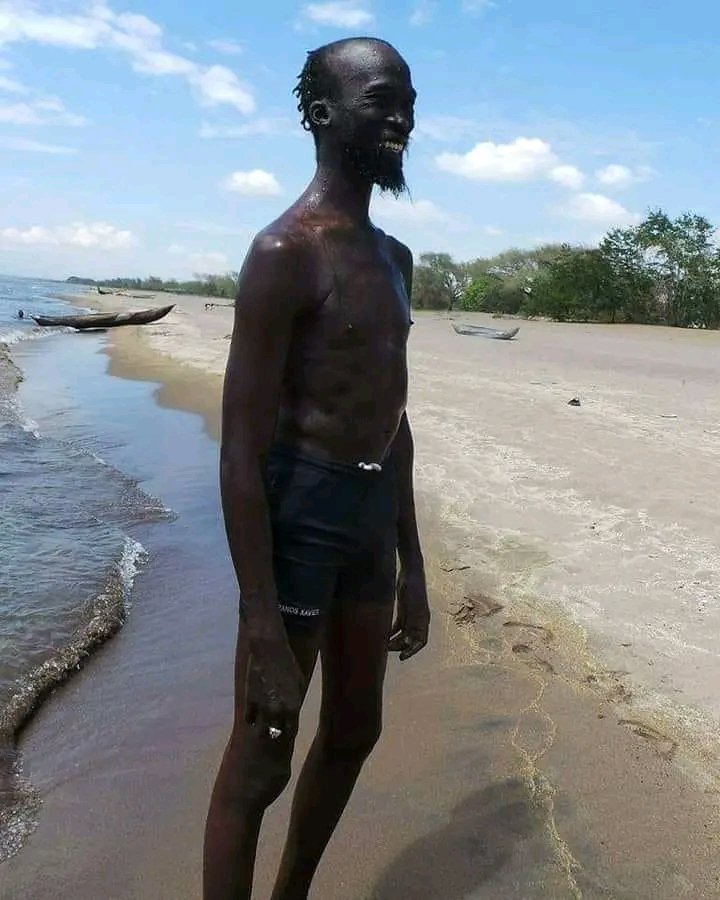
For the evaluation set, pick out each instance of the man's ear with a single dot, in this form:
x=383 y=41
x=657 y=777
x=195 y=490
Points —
x=319 y=113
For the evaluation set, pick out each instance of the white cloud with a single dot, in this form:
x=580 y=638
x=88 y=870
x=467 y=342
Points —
x=567 y=176
x=258 y=128
x=524 y=159
x=339 y=14
x=136 y=36
x=445 y=128
x=421 y=212
x=230 y=47
x=423 y=215
x=256 y=183
x=49 y=111
x=423 y=13
x=492 y=231
x=211 y=262
x=217 y=84
x=597 y=209
x=203 y=261
x=97 y=235
x=12 y=87
x=618 y=176
x=614 y=176
x=477 y=7
x=22 y=145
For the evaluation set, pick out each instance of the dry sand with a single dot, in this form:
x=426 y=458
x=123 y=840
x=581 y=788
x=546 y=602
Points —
x=559 y=737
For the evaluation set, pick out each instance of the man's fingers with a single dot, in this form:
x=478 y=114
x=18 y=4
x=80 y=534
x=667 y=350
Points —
x=413 y=644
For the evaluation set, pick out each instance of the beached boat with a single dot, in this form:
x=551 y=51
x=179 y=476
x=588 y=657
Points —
x=86 y=321
x=484 y=331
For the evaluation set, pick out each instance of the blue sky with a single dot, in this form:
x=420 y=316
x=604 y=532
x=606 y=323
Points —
x=156 y=138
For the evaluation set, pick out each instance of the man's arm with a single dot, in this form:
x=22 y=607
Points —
x=410 y=632
x=274 y=287
x=403 y=454
x=403 y=449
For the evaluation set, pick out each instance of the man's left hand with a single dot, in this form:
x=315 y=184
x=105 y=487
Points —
x=410 y=631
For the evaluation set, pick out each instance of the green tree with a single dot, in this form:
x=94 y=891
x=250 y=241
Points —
x=477 y=292
x=632 y=281
x=576 y=285
x=683 y=259
x=449 y=276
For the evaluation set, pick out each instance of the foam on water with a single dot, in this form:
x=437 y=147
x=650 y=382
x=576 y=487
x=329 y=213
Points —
x=16 y=335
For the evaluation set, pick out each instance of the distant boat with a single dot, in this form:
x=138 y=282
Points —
x=87 y=321
x=101 y=291
x=483 y=331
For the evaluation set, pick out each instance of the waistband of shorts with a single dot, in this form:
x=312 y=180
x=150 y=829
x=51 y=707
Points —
x=328 y=465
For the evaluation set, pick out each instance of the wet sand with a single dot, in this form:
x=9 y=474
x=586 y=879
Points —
x=558 y=737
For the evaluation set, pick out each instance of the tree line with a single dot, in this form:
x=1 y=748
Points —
x=662 y=271
x=204 y=285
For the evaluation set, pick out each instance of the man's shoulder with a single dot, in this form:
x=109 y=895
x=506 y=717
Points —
x=401 y=252
x=283 y=240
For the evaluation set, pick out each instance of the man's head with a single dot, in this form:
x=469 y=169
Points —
x=356 y=97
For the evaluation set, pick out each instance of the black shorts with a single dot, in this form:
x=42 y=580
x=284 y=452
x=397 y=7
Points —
x=334 y=528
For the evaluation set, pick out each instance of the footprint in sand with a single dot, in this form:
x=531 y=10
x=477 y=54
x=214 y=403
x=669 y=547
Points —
x=610 y=683
x=663 y=745
x=543 y=633
x=453 y=566
x=535 y=662
x=527 y=651
x=474 y=606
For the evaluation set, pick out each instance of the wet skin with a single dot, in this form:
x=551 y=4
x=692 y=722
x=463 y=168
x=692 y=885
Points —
x=317 y=361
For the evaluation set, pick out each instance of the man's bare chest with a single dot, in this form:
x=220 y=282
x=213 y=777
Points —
x=366 y=304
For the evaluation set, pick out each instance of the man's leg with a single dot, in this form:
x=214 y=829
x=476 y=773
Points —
x=254 y=771
x=354 y=657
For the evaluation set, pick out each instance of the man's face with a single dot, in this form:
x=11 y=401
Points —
x=375 y=114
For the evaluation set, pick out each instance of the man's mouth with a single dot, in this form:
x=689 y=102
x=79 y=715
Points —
x=393 y=146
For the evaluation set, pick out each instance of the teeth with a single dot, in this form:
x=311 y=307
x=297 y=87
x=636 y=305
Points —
x=392 y=145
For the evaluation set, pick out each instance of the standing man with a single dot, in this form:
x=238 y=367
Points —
x=316 y=474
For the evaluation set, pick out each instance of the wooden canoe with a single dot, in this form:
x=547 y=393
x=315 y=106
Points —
x=87 y=321
x=483 y=331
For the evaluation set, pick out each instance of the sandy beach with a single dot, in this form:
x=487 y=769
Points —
x=559 y=738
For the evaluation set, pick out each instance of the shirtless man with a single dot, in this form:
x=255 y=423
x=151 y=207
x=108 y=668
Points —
x=316 y=474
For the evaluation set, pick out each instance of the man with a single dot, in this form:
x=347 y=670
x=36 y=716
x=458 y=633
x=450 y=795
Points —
x=316 y=474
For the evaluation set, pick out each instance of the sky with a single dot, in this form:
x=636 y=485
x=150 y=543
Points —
x=142 y=138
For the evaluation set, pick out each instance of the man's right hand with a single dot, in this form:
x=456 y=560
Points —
x=275 y=686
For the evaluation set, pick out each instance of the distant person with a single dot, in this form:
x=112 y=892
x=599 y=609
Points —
x=20 y=314
x=316 y=474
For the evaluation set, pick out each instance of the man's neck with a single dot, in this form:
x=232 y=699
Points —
x=339 y=193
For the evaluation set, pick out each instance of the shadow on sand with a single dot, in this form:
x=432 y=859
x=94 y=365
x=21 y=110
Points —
x=477 y=841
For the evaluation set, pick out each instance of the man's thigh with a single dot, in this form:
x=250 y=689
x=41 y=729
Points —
x=354 y=646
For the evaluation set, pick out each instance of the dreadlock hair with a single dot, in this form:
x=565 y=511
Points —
x=317 y=79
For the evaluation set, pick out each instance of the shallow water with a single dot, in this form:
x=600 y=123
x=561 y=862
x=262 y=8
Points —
x=68 y=556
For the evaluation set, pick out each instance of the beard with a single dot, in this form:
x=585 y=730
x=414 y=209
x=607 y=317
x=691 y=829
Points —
x=379 y=165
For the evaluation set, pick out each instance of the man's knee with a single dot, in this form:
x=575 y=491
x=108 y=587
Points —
x=258 y=777
x=353 y=744
x=267 y=781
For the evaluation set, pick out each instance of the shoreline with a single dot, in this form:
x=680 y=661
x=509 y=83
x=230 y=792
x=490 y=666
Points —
x=523 y=732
